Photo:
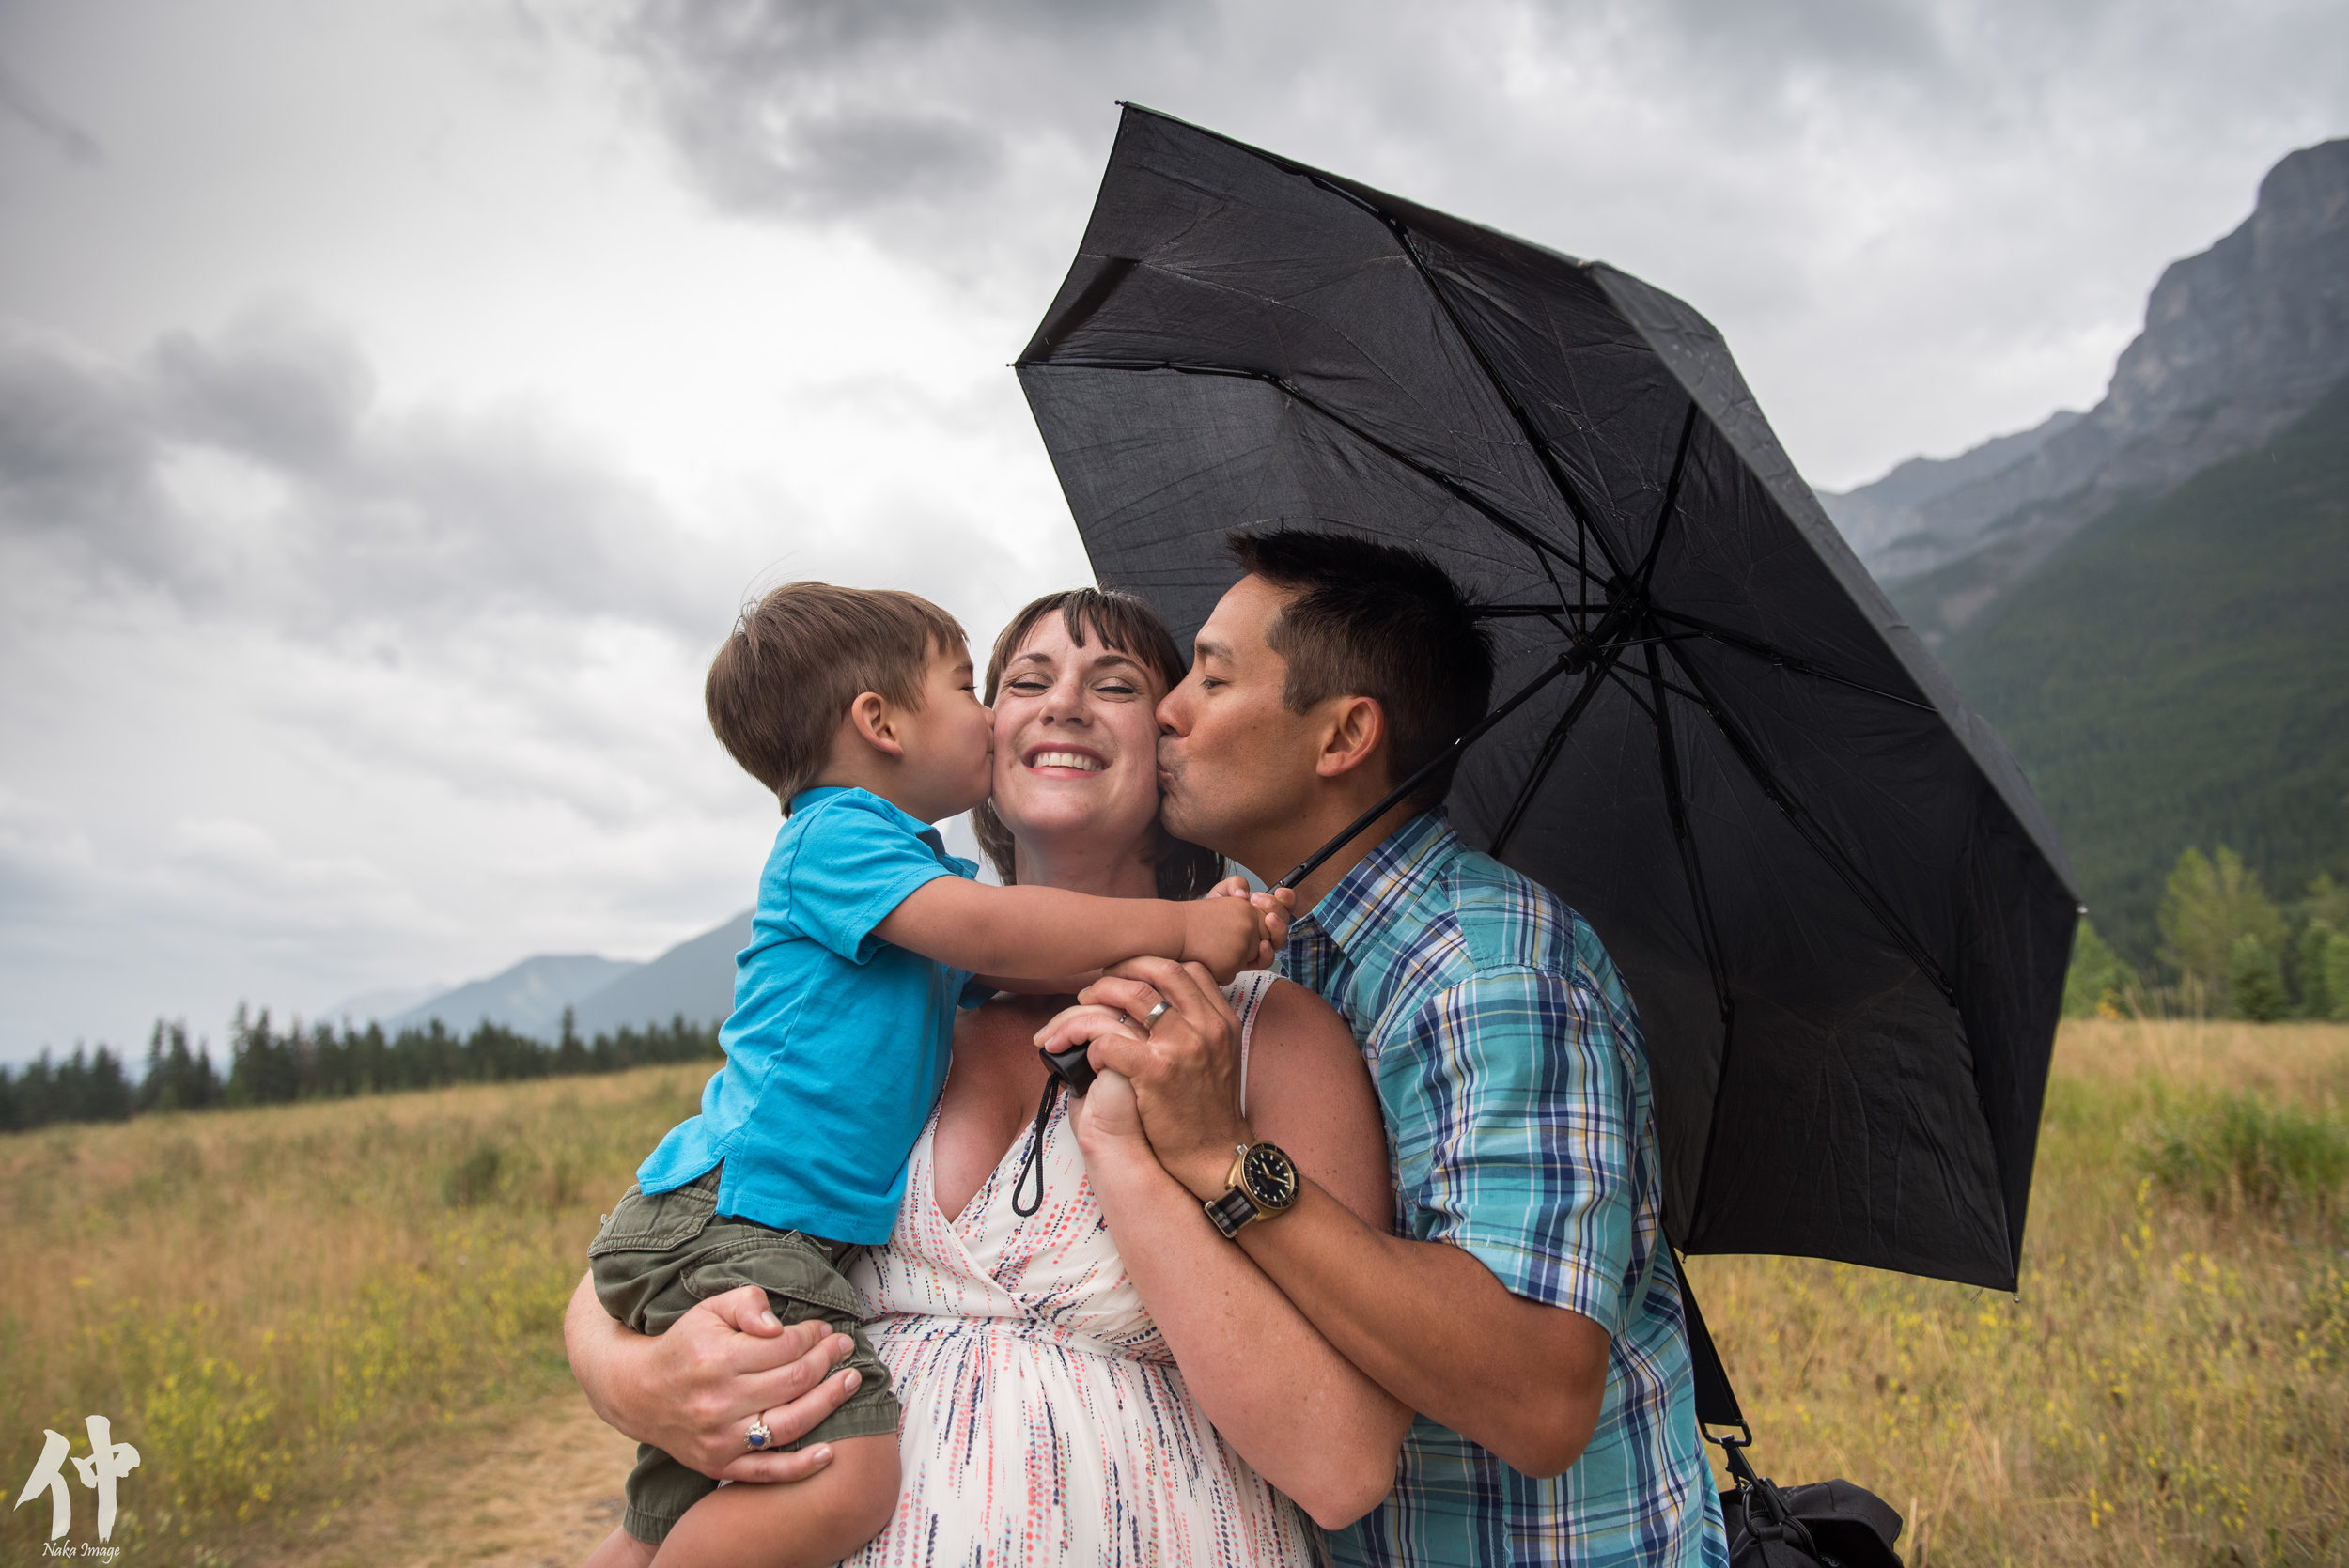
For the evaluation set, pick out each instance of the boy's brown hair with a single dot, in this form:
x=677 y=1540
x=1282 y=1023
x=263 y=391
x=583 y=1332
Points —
x=797 y=658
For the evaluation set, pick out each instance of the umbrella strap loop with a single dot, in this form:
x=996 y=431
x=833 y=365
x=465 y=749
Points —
x=1034 y=1158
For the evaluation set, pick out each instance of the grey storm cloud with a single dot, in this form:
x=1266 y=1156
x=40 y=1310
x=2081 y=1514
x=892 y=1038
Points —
x=20 y=103
x=1921 y=205
x=812 y=109
x=254 y=472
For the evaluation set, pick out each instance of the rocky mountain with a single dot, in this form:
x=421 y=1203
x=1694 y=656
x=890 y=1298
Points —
x=2177 y=673
x=2239 y=342
x=1881 y=518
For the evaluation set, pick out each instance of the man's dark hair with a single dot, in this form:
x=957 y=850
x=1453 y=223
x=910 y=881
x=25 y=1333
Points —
x=1379 y=621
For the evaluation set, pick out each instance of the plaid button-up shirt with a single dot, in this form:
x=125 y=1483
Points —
x=1514 y=1084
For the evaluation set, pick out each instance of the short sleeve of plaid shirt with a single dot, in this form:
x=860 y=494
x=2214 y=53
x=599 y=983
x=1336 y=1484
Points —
x=1528 y=1155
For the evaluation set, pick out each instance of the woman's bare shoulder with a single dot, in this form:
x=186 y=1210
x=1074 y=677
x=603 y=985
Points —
x=1297 y=1021
x=1309 y=1091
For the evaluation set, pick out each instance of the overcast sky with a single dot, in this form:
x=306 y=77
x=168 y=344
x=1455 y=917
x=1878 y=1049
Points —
x=397 y=399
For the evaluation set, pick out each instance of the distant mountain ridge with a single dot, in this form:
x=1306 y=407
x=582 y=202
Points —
x=694 y=979
x=529 y=998
x=2239 y=342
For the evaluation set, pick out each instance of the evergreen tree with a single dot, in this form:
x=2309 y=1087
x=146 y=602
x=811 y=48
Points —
x=570 y=1053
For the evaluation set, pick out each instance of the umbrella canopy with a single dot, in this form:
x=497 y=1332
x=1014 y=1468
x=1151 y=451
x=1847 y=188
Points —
x=1843 y=914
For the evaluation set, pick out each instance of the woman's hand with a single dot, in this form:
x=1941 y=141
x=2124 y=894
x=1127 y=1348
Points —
x=1185 y=1068
x=1106 y=1111
x=692 y=1392
x=1107 y=1121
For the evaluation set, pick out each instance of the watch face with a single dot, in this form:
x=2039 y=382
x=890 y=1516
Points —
x=1269 y=1177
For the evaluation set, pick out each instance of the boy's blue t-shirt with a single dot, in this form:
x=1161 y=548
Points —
x=837 y=1044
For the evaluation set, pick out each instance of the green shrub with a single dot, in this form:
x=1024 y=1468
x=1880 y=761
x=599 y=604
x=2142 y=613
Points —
x=2096 y=976
x=2324 y=972
x=475 y=1178
x=2244 y=1150
x=2255 y=981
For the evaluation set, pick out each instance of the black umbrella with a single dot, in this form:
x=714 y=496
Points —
x=1842 y=912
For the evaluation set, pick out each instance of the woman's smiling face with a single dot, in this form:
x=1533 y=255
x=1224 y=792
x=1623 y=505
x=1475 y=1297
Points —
x=1077 y=741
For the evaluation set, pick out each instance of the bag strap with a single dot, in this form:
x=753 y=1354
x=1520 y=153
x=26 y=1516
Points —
x=1717 y=1402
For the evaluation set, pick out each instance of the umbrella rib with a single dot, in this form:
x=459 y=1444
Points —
x=1676 y=806
x=1780 y=657
x=1672 y=496
x=1813 y=833
x=1632 y=692
x=1526 y=428
x=1700 y=895
x=1454 y=488
x=1551 y=745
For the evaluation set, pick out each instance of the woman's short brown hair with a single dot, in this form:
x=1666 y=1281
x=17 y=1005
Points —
x=1124 y=622
x=797 y=658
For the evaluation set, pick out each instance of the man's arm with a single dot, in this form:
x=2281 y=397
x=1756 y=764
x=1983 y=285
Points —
x=1432 y=1326
x=1429 y=1321
x=692 y=1392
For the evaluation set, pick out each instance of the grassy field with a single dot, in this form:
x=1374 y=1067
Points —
x=275 y=1306
x=2173 y=1385
x=269 y=1304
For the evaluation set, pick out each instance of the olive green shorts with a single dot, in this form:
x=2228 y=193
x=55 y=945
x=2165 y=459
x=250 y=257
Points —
x=659 y=1254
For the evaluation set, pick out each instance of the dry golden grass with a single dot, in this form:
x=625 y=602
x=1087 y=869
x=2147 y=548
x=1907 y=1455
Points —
x=325 y=1354
x=2172 y=1386
x=270 y=1303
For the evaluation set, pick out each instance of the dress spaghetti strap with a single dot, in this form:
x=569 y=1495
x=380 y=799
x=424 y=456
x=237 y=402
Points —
x=1247 y=995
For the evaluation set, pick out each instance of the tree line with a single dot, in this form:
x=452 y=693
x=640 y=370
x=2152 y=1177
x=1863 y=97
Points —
x=2228 y=950
x=320 y=1062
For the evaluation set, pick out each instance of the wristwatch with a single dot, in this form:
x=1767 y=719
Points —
x=1261 y=1184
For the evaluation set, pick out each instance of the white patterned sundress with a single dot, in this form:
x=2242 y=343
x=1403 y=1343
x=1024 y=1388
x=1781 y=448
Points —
x=1045 y=1420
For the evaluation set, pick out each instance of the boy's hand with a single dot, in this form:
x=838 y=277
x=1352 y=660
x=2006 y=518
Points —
x=1276 y=907
x=1226 y=935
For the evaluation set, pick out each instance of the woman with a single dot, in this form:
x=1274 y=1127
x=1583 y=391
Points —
x=1037 y=1356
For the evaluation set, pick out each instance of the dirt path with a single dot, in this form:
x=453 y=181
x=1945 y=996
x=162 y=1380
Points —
x=536 y=1489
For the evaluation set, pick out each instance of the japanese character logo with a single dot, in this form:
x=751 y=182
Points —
x=108 y=1462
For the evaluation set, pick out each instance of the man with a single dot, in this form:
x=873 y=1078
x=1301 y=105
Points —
x=1528 y=1307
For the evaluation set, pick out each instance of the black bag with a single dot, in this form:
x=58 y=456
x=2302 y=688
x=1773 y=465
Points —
x=1827 y=1523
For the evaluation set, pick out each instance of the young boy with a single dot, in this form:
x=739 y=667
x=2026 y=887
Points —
x=858 y=710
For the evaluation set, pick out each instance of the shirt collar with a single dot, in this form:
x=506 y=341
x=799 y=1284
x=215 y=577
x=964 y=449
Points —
x=1366 y=893
x=912 y=824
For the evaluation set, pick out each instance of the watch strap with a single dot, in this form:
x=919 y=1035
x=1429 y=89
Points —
x=1230 y=1212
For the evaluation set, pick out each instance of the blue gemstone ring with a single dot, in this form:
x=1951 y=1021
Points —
x=758 y=1436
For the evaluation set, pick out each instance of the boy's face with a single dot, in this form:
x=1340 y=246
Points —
x=949 y=740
